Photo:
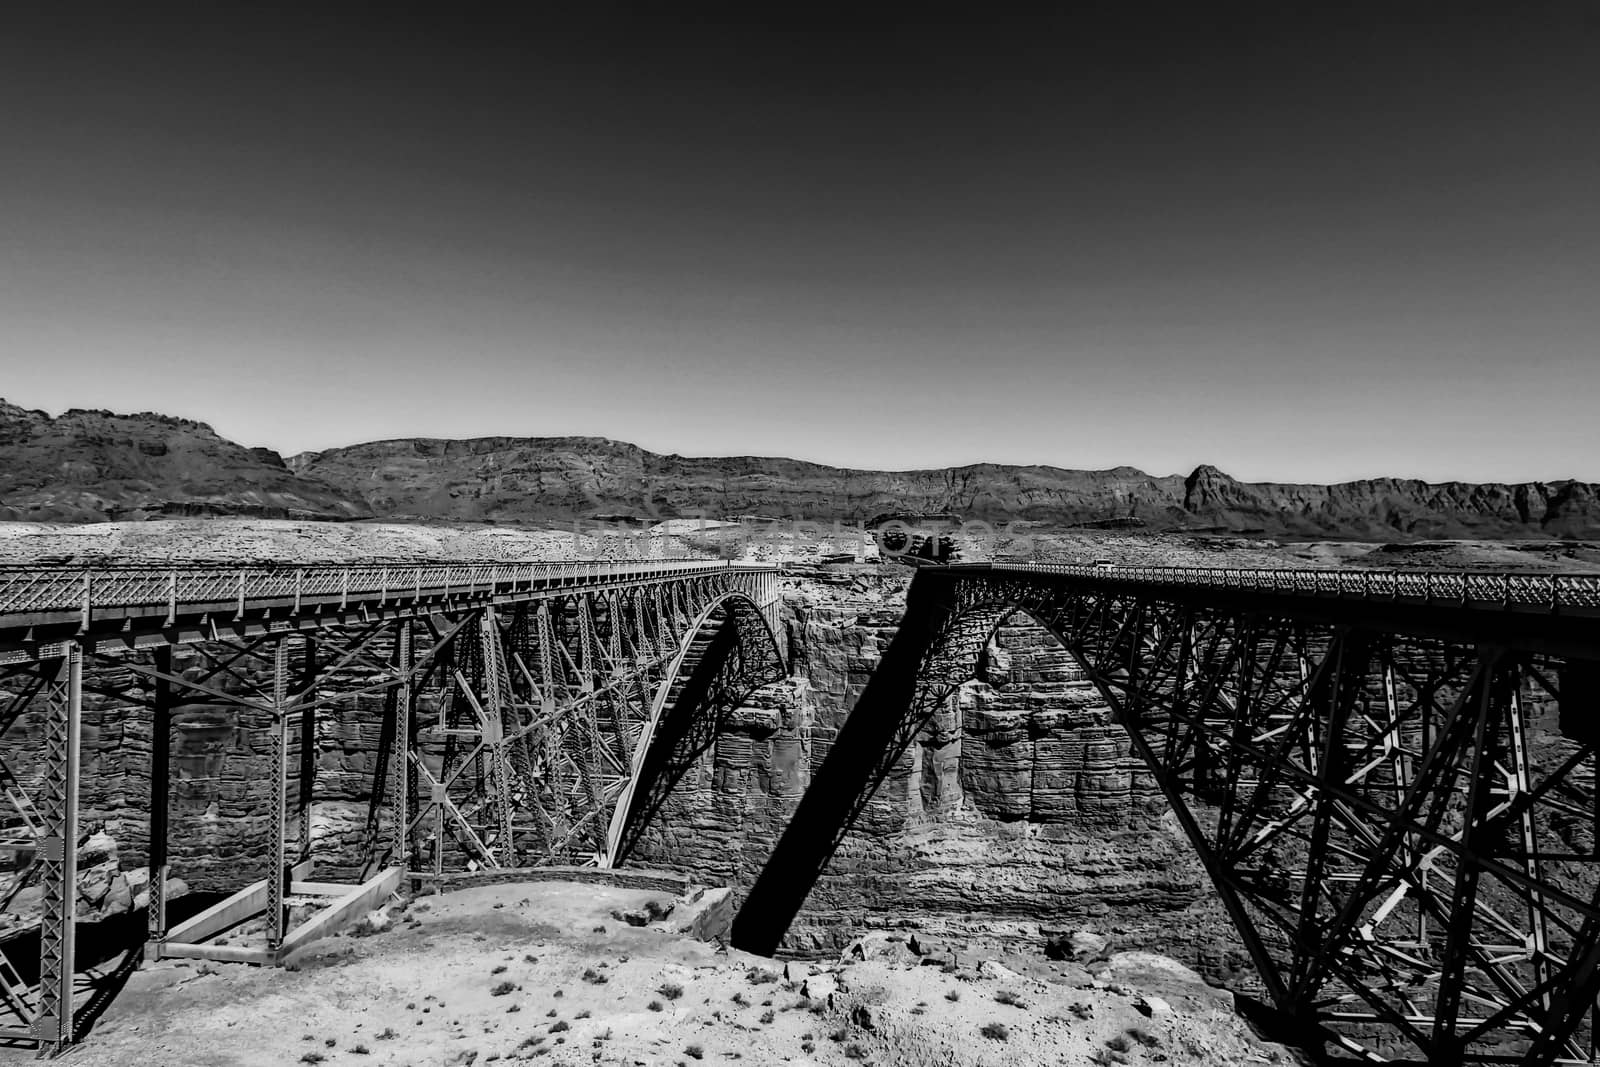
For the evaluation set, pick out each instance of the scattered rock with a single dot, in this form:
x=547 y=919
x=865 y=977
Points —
x=997 y=971
x=1152 y=1005
x=653 y=911
x=1077 y=945
x=705 y=914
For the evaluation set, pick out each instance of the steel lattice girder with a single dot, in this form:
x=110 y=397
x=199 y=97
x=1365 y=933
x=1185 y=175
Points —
x=279 y=666
x=1406 y=863
x=544 y=723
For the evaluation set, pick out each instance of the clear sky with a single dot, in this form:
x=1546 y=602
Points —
x=1299 y=244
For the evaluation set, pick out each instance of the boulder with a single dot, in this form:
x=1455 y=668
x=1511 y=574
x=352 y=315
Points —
x=705 y=914
x=1152 y=1005
x=1077 y=945
x=998 y=971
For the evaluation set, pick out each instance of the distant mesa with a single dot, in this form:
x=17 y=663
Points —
x=90 y=466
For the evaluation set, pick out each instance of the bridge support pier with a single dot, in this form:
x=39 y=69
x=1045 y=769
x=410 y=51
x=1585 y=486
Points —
x=58 y=848
x=160 y=801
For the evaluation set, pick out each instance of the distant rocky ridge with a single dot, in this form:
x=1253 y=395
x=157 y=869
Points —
x=90 y=466
x=558 y=478
x=95 y=465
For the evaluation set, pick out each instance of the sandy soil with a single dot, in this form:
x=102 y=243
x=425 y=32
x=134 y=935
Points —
x=545 y=973
x=282 y=541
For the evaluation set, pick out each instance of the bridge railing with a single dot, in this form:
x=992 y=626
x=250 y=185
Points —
x=26 y=590
x=1551 y=592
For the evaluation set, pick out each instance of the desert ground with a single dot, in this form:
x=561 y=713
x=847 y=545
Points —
x=547 y=972
x=286 y=541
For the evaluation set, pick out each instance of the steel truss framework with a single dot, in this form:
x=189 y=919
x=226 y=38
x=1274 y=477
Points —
x=518 y=707
x=1401 y=822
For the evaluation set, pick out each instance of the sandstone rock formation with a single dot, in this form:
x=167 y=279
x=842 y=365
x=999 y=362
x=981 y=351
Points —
x=106 y=888
x=531 y=479
x=1020 y=813
x=90 y=465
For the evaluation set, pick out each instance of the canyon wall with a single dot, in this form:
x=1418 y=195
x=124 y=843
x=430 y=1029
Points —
x=92 y=465
x=1019 y=811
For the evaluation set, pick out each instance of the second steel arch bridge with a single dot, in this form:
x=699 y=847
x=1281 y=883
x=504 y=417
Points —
x=1390 y=778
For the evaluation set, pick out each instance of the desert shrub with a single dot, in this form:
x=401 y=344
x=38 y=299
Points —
x=995 y=1031
x=560 y=1026
x=312 y=1057
x=694 y=1052
x=670 y=990
x=654 y=1005
x=499 y=970
x=739 y=999
x=952 y=995
x=502 y=988
x=1006 y=996
x=360 y=1050
x=767 y=1016
x=594 y=977
x=1118 y=1044
x=388 y=1034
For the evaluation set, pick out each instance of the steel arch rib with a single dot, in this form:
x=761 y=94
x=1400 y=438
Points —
x=1125 y=646
x=658 y=705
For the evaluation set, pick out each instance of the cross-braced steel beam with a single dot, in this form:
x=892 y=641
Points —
x=512 y=697
x=1404 y=839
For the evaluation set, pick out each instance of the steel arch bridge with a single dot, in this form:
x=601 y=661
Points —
x=518 y=702
x=1389 y=778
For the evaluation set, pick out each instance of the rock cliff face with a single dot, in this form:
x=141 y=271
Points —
x=531 y=479
x=94 y=465
x=1018 y=813
x=86 y=466
x=1386 y=507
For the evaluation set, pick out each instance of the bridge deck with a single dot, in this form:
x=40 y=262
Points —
x=1567 y=594
x=140 y=605
x=1558 y=614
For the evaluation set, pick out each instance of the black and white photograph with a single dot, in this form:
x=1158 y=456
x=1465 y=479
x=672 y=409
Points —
x=916 y=535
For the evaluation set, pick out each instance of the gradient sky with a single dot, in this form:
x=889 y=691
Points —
x=1300 y=244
